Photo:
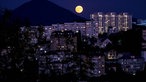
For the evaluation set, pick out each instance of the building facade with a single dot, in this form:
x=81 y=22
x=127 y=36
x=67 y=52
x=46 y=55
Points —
x=99 y=23
x=111 y=22
x=132 y=64
x=65 y=41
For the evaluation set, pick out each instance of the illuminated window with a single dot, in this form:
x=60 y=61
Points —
x=99 y=71
x=41 y=49
x=45 y=51
x=100 y=15
x=99 y=57
x=62 y=46
x=21 y=70
x=84 y=27
x=102 y=65
x=106 y=15
x=77 y=31
x=134 y=74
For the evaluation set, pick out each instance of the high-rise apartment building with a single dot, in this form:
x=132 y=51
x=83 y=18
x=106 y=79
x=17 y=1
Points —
x=99 y=23
x=111 y=22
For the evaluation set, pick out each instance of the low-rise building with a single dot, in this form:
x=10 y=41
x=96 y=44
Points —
x=95 y=66
x=66 y=40
x=132 y=64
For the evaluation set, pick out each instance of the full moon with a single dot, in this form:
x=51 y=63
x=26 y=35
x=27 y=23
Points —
x=79 y=9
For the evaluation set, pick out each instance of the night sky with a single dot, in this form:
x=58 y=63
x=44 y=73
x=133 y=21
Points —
x=134 y=7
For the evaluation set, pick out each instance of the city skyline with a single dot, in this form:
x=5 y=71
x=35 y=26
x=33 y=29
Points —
x=72 y=41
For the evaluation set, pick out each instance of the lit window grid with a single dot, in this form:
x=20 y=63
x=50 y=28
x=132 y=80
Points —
x=122 y=22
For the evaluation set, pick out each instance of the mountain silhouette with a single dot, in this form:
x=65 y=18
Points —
x=45 y=13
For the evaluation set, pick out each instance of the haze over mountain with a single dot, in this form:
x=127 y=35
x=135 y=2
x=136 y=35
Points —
x=45 y=13
x=135 y=7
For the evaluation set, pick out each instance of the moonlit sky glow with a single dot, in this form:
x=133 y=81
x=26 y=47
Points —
x=134 y=7
x=79 y=9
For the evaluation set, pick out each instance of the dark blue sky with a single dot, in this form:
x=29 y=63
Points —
x=135 y=7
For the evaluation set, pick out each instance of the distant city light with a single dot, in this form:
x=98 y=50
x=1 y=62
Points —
x=134 y=74
x=45 y=51
x=77 y=31
x=21 y=70
x=41 y=49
